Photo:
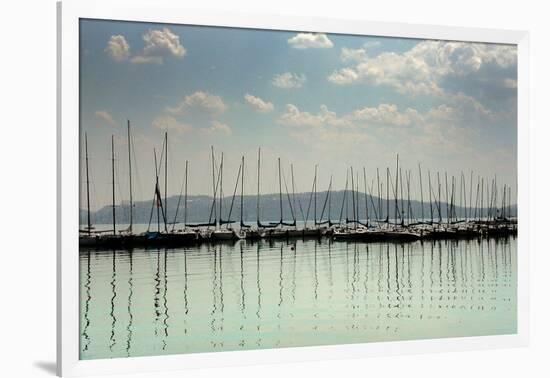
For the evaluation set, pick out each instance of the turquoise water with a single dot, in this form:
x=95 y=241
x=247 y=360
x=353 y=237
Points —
x=284 y=294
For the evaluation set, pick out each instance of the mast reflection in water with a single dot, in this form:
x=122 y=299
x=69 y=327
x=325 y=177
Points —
x=304 y=293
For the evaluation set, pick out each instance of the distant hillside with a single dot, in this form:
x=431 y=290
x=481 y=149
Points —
x=199 y=207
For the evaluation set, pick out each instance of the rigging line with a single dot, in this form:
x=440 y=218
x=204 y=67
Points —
x=118 y=183
x=183 y=185
x=326 y=200
x=421 y=192
x=355 y=216
x=138 y=181
x=288 y=196
x=402 y=199
x=344 y=197
x=430 y=196
x=372 y=201
x=394 y=192
x=414 y=194
x=294 y=194
x=234 y=194
x=309 y=205
x=366 y=200
x=154 y=195
x=158 y=169
x=213 y=206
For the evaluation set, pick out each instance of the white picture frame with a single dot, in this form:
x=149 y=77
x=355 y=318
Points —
x=165 y=11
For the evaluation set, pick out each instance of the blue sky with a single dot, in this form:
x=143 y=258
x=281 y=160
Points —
x=308 y=98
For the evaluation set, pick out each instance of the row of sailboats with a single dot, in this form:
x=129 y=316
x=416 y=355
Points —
x=375 y=226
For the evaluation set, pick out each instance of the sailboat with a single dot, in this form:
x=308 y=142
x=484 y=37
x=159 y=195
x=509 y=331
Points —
x=399 y=231
x=283 y=232
x=258 y=232
x=184 y=235
x=87 y=237
x=220 y=233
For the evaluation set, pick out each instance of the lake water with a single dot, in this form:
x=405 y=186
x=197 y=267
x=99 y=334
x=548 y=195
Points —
x=284 y=294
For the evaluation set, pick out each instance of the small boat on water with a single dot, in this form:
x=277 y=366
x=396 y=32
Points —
x=253 y=234
x=402 y=235
x=224 y=234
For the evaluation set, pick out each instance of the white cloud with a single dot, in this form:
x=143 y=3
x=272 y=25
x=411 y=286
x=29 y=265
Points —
x=162 y=42
x=218 y=127
x=169 y=123
x=460 y=112
x=421 y=69
x=463 y=109
x=203 y=100
x=388 y=115
x=118 y=48
x=310 y=40
x=357 y=55
x=201 y=108
x=344 y=76
x=258 y=104
x=353 y=55
x=288 y=80
x=105 y=117
x=294 y=117
x=159 y=44
x=382 y=115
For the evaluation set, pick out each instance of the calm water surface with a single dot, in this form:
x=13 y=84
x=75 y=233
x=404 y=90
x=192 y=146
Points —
x=283 y=294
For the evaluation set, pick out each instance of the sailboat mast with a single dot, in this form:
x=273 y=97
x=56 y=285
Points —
x=258 y=197
x=430 y=195
x=379 y=198
x=221 y=189
x=439 y=197
x=387 y=194
x=156 y=190
x=447 y=196
x=509 y=202
x=329 y=199
x=463 y=195
x=130 y=177
x=185 y=198
x=470 y=205
x=482 y=194
x=166 y=174
x=242 y=189
x=280 y=193
x=453 y=198
x=213 y=186
x=477 y=200
x=294 y=192
x=402 y=204
x=505 y=202
x=357 y=198
x=408 y=176
x=87 y=185
x=396 y=186
x=366 y=202
x=315 y=197
x=421 y=192
x=353 y=197
x=113 y=176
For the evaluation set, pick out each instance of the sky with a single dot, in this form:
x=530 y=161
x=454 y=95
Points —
x=331 y=100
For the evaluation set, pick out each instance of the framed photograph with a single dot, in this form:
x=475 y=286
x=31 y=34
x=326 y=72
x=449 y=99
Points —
x=252 y=188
